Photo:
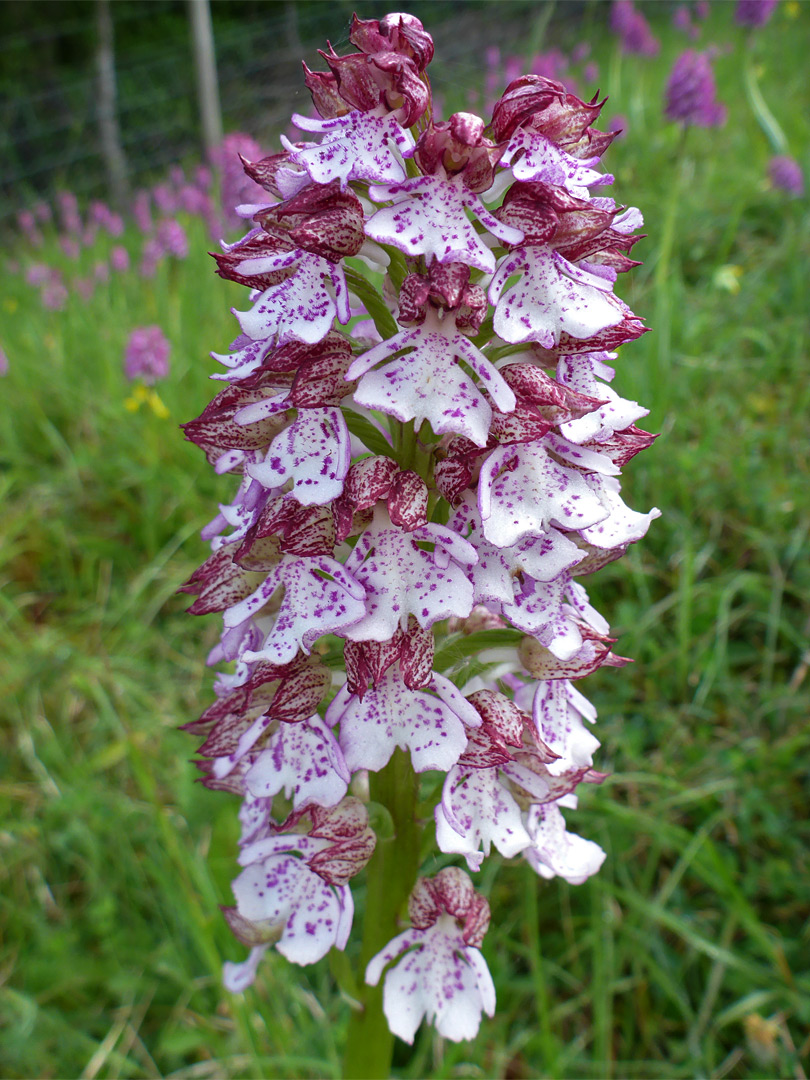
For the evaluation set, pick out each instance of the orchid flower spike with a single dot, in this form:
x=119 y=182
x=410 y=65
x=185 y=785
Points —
x=415 y=463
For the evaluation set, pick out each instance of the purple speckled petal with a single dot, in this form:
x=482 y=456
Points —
x=543 y=160
x=452 y=696
x=315 y=451
x=222 y=766
x=556 y=852
x=303 y=760
x=427 y=383
x=255 y=817
x=244 y=360
x=559 y=711
x=358 y=146
x=495 y=575
x=552 y=297
x=438 y=977
x=301 y=307
x=320 y=597
x=265 y=890
x=587 y=460
x=402 y=579
x=317 y=921
x=391 y=715
x=404 y=1012
x=428 y=218
x=476 y=811
x=280 y=844
x=539 y=609
x=283 y=891
x=238 y=977
x=620 y=525
x=537 y=493
x=598 y=426
x=261 y=410
x=507 y=233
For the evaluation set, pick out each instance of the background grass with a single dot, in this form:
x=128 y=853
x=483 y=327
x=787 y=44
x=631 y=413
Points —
x=688 y=955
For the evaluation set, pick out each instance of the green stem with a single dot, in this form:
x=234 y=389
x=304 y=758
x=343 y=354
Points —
x=405 y=444
x=548 y=1038
x=663 y=286
x=391 y=875
x=765 y=118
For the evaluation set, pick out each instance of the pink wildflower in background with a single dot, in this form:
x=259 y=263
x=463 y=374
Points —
x=581 y=52
x=119 y=259
x=785 y=173
x=54 y=296
x=69 y=217
x=165 y=199
x=147 y=355
x=4 y=364
x=84 y=287
x=236 y=187
x=70 y=247
x=633 y=29
x=142 y=211
x=682 y=20
x=690 y=96
x=28 y=226
x=150 y=257
x=513 y=68
x=552 y=64
x=89 y=235
x=754 y=13
x=172 y=238
x=39 y=274
x=114 y=225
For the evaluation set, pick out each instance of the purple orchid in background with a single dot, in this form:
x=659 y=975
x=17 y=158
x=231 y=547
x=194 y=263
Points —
x=236 y=187
x=430 y=461
x=785 y=173
x=54 y=295
x=142 y=212
x=172 y=238
x=633 y=29
x=690 y=96
x=147 y=355
x=754 y=13
x=119 y=259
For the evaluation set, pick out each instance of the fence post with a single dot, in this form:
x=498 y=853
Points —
x=111 y=148
x=206 y=64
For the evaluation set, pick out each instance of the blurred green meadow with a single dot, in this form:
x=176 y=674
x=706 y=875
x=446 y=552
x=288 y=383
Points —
x=689 y=953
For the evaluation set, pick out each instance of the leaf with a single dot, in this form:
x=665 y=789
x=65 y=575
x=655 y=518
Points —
x=454 y=651
x=368 y=434
x=373 y=303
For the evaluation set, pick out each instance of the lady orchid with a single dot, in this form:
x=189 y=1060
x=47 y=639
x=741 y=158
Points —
x=419 y=411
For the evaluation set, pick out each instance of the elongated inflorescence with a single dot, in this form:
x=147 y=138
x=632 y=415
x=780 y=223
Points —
x=419 y=412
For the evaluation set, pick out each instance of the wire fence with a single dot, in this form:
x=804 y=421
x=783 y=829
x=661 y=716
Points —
x=49 y=131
